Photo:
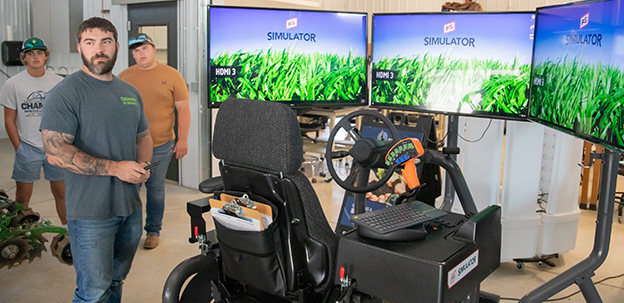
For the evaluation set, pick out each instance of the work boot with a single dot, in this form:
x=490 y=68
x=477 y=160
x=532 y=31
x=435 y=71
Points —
x=151 y=242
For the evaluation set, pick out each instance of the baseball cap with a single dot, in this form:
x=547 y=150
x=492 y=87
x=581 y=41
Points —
x=33 y=44
x=139 y=39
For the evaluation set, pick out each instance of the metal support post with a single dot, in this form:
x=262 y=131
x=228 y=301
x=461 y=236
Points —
x=582 y=272
x=451 y=141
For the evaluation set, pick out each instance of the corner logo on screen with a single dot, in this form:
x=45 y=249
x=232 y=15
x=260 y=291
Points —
x=451 y=41
x=290 y=35
x=449 y=27
x=291 y=23
x=584 y=20
x=593 y=39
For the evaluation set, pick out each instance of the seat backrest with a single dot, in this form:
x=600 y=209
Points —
x=261 y=147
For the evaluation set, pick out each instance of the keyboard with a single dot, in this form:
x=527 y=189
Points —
x=398 y=217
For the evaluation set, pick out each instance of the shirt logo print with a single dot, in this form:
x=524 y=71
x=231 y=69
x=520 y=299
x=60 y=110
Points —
x=34 y=104
x=128 y=100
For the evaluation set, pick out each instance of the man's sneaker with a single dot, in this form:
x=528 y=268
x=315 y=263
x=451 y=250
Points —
x=151 y=242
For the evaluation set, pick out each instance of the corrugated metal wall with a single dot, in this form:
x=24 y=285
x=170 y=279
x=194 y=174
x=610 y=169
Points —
x=14 y=21
x=15 y=13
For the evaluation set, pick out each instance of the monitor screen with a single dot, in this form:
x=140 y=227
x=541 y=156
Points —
x=303 y=58
x=577 y=83
x=474 y=64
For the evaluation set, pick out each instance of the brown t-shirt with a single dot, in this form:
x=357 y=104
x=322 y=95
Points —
x=160 y=87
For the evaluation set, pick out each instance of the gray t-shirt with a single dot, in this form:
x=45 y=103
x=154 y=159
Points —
x=26 y=95
x=105 y=118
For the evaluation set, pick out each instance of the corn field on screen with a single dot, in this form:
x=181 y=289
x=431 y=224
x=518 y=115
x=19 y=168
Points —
x=463 y=63
x=304 y=58
x=577 y=84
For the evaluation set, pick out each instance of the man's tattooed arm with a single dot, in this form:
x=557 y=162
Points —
x=61 y=152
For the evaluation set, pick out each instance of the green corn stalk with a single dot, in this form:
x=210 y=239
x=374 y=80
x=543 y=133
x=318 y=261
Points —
x=583 y=97
x=290 y=76
x=444 y=82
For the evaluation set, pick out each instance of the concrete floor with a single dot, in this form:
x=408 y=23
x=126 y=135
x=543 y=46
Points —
x=47 y=280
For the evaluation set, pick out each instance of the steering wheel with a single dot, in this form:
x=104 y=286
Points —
x=367 y=153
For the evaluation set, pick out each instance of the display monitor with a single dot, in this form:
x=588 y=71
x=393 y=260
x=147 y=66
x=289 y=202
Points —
x=300 y=57
x=474 y=64
x=577 y=75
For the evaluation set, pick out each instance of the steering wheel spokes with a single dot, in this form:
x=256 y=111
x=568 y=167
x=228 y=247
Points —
x=368 y=152
x=349 y=129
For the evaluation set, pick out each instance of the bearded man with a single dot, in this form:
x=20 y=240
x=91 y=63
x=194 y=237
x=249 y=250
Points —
x=94 y=127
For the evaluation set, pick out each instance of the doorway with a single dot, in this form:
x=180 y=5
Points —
x=159 y=20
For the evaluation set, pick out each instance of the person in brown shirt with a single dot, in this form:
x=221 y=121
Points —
x=163 y=90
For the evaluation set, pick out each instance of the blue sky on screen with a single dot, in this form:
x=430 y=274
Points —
x=496 y=36
x=558 y=26
x=234 y=29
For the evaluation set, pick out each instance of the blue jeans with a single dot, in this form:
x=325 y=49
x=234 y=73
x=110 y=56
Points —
x=102 y=252
x=155 y=186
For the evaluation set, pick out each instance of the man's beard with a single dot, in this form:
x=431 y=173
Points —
x=100 y=68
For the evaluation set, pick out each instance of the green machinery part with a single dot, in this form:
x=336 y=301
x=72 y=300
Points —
x=21 y=235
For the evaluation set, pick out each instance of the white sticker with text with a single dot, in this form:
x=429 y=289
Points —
x=462 y=269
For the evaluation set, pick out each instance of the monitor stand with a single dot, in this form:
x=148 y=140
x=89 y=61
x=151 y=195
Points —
x=332 y=113
x=582 y=272
x=451 y=143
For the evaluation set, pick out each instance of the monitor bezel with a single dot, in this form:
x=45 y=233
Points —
x=410 y=108
x=297 y=104
x=554 y=126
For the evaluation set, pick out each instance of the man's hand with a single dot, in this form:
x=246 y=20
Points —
x=130 y=171
x=181 y=149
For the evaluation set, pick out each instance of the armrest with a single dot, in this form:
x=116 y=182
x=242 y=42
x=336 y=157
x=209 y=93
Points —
x=196 y=209
x=211 y=185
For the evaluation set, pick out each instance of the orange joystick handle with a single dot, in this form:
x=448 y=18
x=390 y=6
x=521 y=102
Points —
x=403 y=153
x=410 y=175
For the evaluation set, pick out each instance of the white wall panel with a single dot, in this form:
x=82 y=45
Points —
x=396 y=6
x=494 y=5
x=482 y=173
x=59 y=26
x=41 y=23
x=192 y=66
x=532 y=4
x=357 y=5
x=15 y=24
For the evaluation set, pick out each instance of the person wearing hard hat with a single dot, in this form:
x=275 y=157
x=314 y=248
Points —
x=23 y=97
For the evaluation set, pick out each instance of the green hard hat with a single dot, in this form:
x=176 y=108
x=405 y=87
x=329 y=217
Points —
x=33 y=44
